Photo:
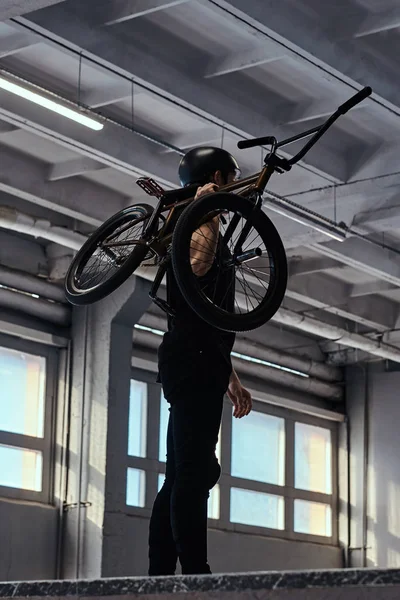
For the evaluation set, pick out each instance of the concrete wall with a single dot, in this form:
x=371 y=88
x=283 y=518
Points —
x=125 y=551
x=28 y=534
x=374 y=411
x=125 y=535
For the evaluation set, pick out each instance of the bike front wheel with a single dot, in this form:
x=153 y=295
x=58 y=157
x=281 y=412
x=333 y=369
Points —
x=108 y=257
x=248 y=246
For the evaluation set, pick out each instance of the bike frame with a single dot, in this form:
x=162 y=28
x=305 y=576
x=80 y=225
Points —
x=249 y=187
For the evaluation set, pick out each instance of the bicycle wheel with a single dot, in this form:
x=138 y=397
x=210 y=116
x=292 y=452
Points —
x=108 y=257
x=258 y=266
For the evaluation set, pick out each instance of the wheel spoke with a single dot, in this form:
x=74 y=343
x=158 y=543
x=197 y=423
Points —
x=251 y=279
x=99 y=266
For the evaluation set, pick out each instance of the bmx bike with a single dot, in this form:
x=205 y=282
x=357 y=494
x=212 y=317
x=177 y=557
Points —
x=163 y=236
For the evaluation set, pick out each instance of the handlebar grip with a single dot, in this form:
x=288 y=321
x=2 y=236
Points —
x=255 y=142
x=356 y=99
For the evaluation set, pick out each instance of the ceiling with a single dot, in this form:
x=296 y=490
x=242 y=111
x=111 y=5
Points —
x=173 y=74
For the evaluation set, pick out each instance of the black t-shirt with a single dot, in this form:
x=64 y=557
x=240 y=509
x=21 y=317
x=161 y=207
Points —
x=192 y=351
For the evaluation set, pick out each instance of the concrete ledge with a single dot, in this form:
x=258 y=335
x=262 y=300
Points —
x=349 y=584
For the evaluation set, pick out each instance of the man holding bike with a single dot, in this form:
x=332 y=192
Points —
x=195 y=370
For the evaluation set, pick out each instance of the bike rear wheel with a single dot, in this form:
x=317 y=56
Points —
x=259 y=265
x=109 y=256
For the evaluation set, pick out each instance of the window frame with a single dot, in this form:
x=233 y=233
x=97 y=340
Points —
x=153 y=467
x=287 y=491
x=46 y=444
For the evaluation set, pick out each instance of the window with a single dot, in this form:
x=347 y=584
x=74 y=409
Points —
x=278 y=467
x=137 y=443
x=26 y=393
x=282 y=473
x=259 y=436
x=146 y=452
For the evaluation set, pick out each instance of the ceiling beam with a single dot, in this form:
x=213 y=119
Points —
x=239 y=61
x=307 y=266
x=114 y=146
x=74 y=167
x=330 y=295
x=17 y=42
x=377 y=23
x=6 y=128
x=372 y=287
x=17 y=252
x=201 y=137
x=317 y=109
x=118 y=11
x=364 y=256
x=97 y=98
x=342 y=62
x=382 y=219
x=205 y=97
x=82 y=200
x=11 y=8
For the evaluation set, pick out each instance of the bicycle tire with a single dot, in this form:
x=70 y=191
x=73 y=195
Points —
x=205 y=309
x=136 y=257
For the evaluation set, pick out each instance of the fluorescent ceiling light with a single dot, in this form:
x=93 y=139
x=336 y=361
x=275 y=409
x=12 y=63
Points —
x=335 y=234
x=74 y=115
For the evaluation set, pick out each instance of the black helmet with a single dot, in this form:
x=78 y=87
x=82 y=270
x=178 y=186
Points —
x=200 y=163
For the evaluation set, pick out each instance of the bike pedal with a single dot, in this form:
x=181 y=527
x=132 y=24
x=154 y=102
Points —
x=150 y=186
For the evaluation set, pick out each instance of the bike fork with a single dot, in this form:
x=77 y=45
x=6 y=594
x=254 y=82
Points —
x=246 y=229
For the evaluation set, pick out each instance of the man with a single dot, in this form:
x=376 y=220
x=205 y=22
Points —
x=195 y=370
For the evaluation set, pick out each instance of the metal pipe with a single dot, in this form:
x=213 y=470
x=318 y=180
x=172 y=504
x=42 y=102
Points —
x=307 y=385
x=336 y=334
x=297 y=363
x=30 y=284
x=42 y=309
x=12 y=219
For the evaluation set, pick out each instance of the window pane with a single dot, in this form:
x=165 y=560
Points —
x=313 y=518
x=164 y=416
x=137 y=419
x=313 y=458
x=161 y=479
x=135 y=487
x=257 y=508
x=21 y=468
x=258 y=448
x=214 y=503
x=22 y=392
x=218 y=448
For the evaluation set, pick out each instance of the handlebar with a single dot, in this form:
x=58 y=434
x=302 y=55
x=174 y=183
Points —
x=356 y=99
x=262 y=141
x=316 y=132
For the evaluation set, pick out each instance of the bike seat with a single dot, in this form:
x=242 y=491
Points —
x=179 y=194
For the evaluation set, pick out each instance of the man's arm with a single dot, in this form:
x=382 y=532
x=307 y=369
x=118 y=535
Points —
x=204 y=240
x=240 y=397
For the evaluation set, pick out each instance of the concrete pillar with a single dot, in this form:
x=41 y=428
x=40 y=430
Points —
x=101 y=371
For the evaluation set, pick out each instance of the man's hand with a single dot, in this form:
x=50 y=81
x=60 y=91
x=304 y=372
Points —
x=206 y=189
x=240 y=397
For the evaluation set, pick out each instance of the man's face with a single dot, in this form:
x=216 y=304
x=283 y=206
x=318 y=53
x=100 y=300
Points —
x=219 y=179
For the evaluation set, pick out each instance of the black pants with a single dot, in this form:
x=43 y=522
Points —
x=178 y=525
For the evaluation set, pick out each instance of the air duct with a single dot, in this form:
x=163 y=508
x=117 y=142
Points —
x=247 y=347
x=307 y=385
x=12 y=219
x=60 y=314
x=31 y=285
